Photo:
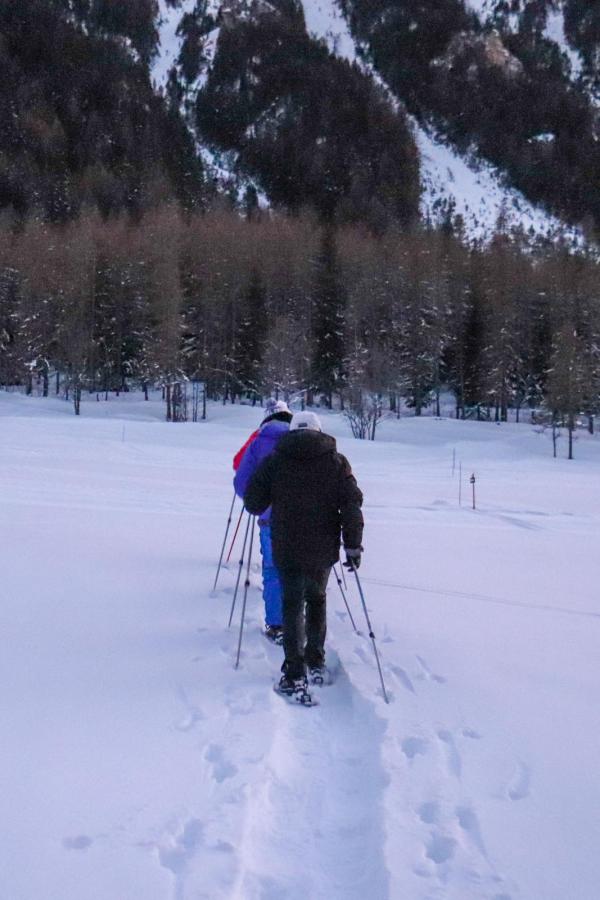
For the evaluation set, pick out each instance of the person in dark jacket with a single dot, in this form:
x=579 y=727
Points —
x=260 y=445
x=315 y=501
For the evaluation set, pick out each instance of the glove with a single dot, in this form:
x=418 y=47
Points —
x=353 y=558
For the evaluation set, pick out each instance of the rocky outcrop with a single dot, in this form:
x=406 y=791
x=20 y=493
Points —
x=485 y=50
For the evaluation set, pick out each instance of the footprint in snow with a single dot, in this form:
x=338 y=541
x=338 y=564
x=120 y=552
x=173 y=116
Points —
x=78 y=842
x=176 y=855
x=363 y=656
x=440 y=848
x=471 y=733
x=468 y=821
x=193 y=713
x=414 y=746
x=189 y=721
x=429 y=812
x=519 y=785
x=428 y=674
x=403 y=678
x=452 y=755
x=222 y=768
x=240 y=702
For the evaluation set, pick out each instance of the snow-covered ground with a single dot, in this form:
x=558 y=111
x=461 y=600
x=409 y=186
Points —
x=135 y=762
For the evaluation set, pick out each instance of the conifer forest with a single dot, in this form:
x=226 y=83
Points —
x=256 y=224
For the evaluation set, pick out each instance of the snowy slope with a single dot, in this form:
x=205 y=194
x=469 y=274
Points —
x=475 y=192
x=169 y=42
x=325 y=20
x=137 y=763
x=472 y=189
x=555 y=31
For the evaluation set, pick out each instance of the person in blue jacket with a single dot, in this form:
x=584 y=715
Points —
x=272 y=429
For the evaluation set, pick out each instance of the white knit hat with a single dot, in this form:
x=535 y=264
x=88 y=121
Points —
x=305 y=421
x=273 y=406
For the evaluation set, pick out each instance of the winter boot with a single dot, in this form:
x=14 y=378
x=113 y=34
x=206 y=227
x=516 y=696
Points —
x=319 y=675
x=274 y=633
x=295 y=689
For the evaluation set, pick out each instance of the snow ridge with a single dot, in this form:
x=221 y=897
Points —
x=320 y=809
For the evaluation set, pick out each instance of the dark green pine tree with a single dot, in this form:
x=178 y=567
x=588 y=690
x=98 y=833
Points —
x=251 y=332
x=329 y=316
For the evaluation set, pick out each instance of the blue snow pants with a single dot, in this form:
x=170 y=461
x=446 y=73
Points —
x=271 y=582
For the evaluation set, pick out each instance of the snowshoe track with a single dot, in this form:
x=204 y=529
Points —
x=320 y=800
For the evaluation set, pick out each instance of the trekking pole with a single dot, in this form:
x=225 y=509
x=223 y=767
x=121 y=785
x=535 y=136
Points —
x=246 y=586
x=224 y=542
x=241 y=563
x=371 y=635
x=339 y=581
x=237 y=528
x=343 y=571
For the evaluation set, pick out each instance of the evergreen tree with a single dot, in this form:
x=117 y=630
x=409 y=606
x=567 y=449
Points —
x=251 y=335
x=329 y=305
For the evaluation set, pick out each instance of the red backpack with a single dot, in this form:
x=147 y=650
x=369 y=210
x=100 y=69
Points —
x=238 y=456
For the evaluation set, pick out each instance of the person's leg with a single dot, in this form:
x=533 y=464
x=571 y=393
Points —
x=292 y=584
x=271 y=581
x=316 y=619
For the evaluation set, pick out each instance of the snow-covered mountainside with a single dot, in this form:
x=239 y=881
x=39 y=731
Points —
x=453 y=185
x=474 y=190
x=136 y=762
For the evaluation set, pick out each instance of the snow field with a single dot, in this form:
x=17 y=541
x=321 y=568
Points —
x=135 y=762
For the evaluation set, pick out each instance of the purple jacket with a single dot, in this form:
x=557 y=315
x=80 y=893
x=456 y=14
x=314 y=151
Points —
x=262 y=446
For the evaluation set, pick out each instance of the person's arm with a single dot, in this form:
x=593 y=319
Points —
x=258 y=493
x=350 y=500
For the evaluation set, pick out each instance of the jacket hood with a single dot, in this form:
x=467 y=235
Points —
x=281 y=416
x=306 y=444
x=274 y=428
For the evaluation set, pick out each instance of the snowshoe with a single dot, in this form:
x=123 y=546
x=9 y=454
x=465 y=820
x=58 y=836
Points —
x=320 y=676
x=274 y=633
x=295 y=690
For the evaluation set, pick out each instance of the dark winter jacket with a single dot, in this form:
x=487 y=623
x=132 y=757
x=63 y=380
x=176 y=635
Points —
x=314 y=498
